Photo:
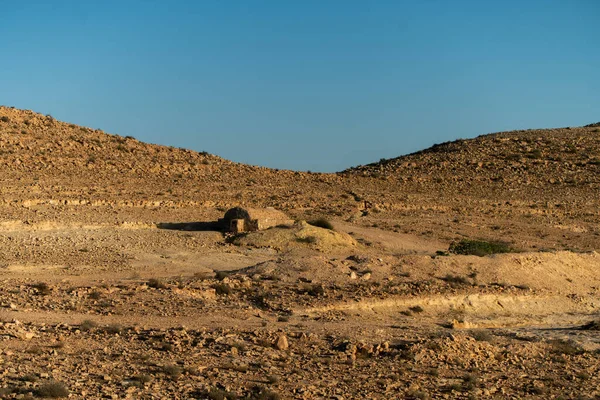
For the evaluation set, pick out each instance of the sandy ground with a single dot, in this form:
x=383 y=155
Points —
x=137 y=311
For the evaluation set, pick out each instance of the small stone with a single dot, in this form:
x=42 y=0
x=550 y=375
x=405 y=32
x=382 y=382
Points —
x=27 y=335
x=282 y=343
x=353 y=275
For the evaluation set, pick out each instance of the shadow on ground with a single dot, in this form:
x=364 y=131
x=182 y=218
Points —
x=191 y=226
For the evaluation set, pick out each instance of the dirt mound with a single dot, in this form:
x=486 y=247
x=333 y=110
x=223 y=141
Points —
x=299 y=235
x=561 y=272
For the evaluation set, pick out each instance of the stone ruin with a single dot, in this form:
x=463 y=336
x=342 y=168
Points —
x=238 y=219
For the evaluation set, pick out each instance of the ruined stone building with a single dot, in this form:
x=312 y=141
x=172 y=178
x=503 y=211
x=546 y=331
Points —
x=240 y=219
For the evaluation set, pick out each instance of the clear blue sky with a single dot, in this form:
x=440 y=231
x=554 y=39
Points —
x=317 y=85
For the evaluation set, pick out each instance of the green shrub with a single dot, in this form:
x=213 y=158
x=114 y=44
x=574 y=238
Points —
x=479 y=247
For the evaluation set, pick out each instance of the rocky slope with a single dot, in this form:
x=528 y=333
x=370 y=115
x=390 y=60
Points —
x=539 y=159
x=43 y=159
x=523 y=179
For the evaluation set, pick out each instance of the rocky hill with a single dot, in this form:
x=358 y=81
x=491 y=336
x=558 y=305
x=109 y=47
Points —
x=523 y=179
x=38 y=147
x=33 y=143
x=41 y=157
x=568 y=157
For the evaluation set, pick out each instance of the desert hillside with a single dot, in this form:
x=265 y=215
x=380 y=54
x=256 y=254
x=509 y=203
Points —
x=537 y=159
x=506 y=185
x=467 y=270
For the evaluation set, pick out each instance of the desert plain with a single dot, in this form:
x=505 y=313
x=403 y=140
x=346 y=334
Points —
x=468 y=270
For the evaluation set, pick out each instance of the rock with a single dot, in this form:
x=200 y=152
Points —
x=462 y=324
x=282 y=343
x=26 y=335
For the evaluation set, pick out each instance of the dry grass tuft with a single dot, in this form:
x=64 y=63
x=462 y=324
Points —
x=53 y=390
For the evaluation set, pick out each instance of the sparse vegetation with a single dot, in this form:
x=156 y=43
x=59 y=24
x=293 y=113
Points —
x=30 y=378
x=456 y=279
x=261 y=393
x=479 y=247
x=561 y=347
x=417 y=395
x=470 y=381
x=143 y=378
x=220 y=275
x=535 y=154
x=222 y=288
x=156 y=283
x=42 y=288
x=34 y=350
x=307 y=239
x=53 y=390
x=416 y=309
x=220 y=394
x=172 y=371
x=482 y=335
x=113 y=329
x=87 y=325
x=95 y=295
x=313 y=289
x=167 y=346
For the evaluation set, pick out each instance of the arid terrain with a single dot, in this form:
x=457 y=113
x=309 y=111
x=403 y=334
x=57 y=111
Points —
x=468 y=270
